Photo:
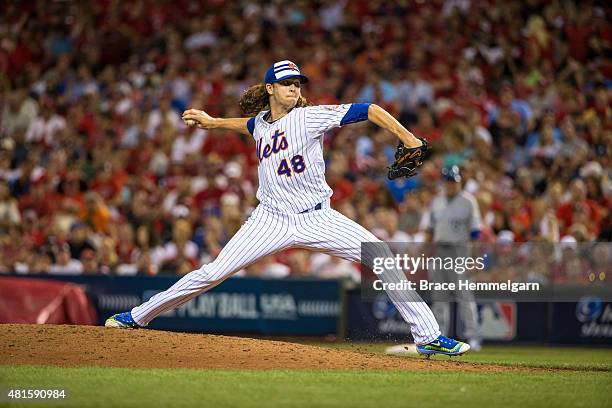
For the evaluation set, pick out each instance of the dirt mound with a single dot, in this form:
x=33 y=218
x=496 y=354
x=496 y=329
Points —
x=69 y=346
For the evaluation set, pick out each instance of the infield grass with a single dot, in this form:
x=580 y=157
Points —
x=578 y=358
x=116 y=387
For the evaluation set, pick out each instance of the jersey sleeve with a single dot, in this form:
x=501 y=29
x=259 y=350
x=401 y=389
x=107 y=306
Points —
x=320 y=119
x=251 y=125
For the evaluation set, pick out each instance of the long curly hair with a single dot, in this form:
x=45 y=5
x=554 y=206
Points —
x=256 y=99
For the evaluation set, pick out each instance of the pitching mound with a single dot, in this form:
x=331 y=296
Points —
x=69 y=346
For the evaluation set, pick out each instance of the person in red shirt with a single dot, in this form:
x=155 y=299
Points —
x=108 y=182
x=520 y=224
x=40 y=199
x=71 y=200
x=578 y=203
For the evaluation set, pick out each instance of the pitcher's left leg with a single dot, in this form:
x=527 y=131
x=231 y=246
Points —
x=329 y=231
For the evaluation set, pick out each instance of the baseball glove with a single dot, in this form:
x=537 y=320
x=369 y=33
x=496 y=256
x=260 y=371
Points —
x=407 y=160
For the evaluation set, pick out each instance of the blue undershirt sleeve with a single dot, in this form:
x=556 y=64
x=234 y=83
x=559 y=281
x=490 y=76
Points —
x=356 y=113
x=251 y=125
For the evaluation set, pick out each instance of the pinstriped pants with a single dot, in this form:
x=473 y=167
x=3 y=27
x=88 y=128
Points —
x=266 y=232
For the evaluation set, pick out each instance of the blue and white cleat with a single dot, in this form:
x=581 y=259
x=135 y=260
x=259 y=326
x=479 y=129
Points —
x=121 y=321
x=443 y=345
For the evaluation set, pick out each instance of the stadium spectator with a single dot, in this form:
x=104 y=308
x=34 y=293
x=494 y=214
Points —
x=324 y=266
x=180 y=254
x=90 y=263
x=95 y=212
x=79 y=239
x=268 y=267
x=64 y=264
x=108 y=258
x=19 y=112
x=10 y=216
x=578 y=205
x=570 y=268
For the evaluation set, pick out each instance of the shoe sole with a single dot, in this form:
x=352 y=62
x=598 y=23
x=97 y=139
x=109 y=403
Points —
x=429 y=353
x=116 y=325
x=433 y=353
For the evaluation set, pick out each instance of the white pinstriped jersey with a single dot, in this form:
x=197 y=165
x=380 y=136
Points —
x=290 y=152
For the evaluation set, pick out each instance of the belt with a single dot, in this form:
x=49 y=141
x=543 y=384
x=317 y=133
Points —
x=316 y=207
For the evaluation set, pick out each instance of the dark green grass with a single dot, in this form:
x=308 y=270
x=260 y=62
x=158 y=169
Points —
x=114 y=387
x=578 y=358
x=584 y=380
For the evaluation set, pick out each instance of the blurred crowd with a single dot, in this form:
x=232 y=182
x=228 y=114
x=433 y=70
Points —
x=99 y=175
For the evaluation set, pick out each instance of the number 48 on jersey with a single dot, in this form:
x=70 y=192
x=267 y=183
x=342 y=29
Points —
x=297 y=164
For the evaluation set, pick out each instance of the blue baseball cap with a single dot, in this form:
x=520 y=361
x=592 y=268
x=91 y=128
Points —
x=451 y=174
x=283 y=70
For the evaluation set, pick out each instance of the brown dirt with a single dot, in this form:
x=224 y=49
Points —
x=69 y=346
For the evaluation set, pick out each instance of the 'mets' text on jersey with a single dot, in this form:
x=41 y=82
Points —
x=290 y=153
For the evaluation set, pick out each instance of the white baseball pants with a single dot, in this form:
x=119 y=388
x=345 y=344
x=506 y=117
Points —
x=268 y=231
